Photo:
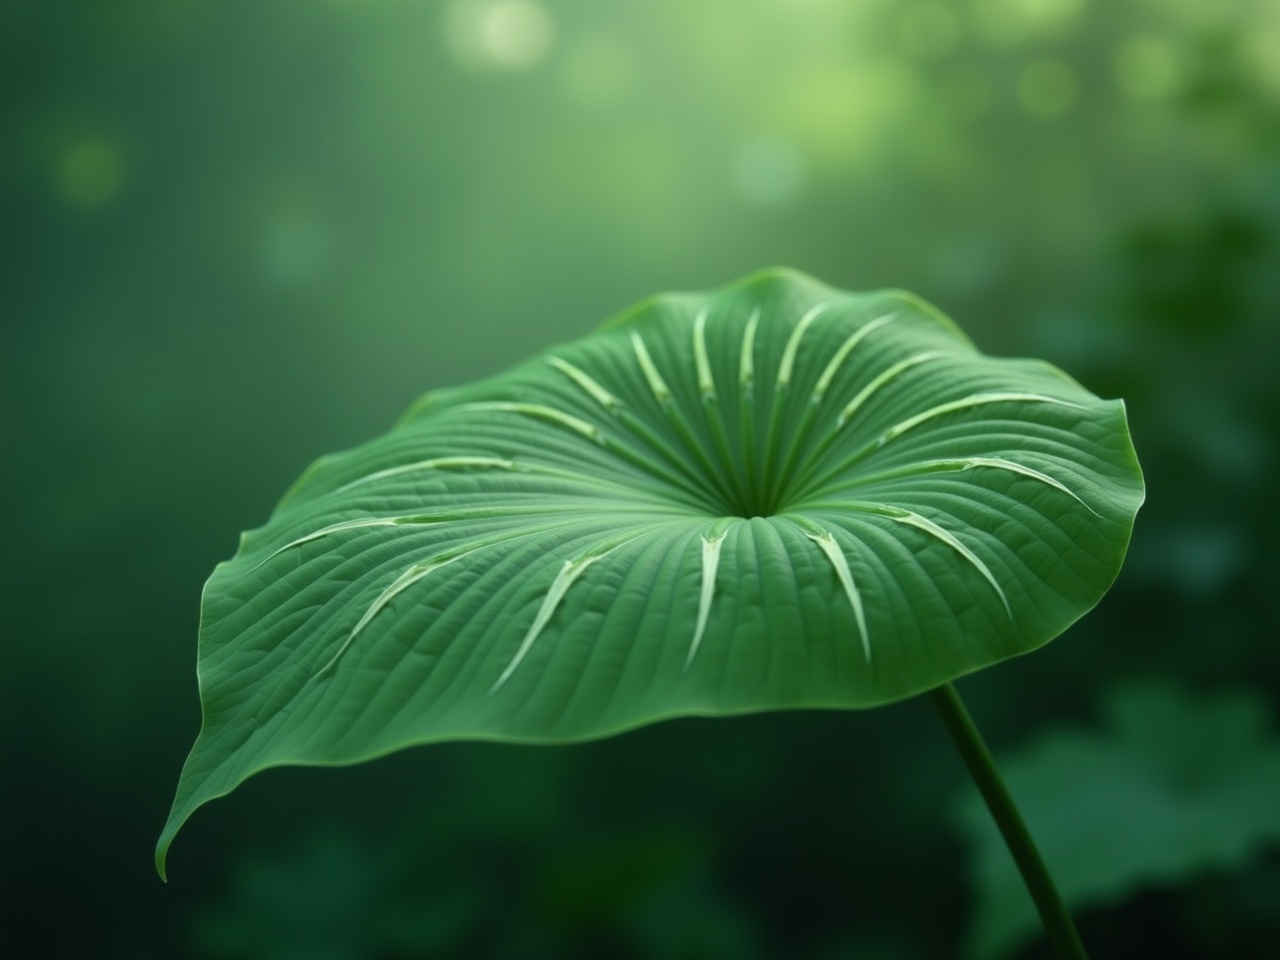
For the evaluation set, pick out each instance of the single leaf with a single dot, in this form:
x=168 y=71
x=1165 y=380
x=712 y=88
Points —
x=775 y=495
x=1174 y=786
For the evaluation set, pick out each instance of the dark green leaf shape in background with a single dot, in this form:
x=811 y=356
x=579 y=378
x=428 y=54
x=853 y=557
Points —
x=1175 y=785
x=775 y=495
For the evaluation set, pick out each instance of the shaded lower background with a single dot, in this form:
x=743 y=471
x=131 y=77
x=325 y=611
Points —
x=238 y=235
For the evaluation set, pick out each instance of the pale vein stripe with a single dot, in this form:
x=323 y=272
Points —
x=976 y=400
x=659 y=386
x=570 y=572
x=540 y=412
x=746 y=362
x=793 y=345
x=587 y=383
x=710 y=563
x=968 y=463
x=520 y=512
x=841 y=355
x=827 y=543
x=414 y=574
x=931 y=528
x=896 y=370
x=462 y=463
x=706 y=384
x=439 y=463
x=336 y=528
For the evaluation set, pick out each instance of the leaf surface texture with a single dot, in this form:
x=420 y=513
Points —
x=775 y=495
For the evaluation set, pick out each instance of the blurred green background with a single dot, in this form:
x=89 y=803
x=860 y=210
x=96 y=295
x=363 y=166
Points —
x=238 y=234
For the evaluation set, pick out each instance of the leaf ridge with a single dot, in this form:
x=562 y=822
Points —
x=963 y=465
x=706 y=590
x=880 y=380
x=842 y=354
x=805 y=481
x=913 y=519
x=568 y=575
x=793 y=344
x=658 y=386
x=587 y=383
x=826 y=542
x=540 y=411
x=437 y=463
x=747 y=406
x=706 y=383
x=772 y=477
x=415 y=574
x=966 y=403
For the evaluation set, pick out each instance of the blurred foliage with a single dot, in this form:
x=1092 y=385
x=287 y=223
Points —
x=333 y=901
x=1175 y=787
x=237 y=234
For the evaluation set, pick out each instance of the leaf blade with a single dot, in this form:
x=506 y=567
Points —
x=667 y=518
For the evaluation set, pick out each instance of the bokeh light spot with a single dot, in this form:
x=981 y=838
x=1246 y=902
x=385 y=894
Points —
x=1146 y=68
x=768 y=171
x=844 y=115
x=500 y=34
x=1016 y=21
x=91 y=173
x=1261 y=53
x=1048 y=88
x=517 y=34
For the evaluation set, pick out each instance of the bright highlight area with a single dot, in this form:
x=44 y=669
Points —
x=500 y=34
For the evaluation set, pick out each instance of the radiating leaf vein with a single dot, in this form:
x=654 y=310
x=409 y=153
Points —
x=706 y=383
x=1011 y=466
x=414 y=574
x=541 y=412
x=841 y=355
x=569 y=573
x=746 y=359
x=331 y=529
x=438 y=463
x=912 y=519
x=827 y=543
x=793 y=345
x=661 y=392
x=976 y=400
x=883 y=378
x=587 y=383
x=580 y=506
x=710 y=563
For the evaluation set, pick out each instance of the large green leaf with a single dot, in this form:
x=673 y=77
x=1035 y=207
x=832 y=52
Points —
x=774 y=495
